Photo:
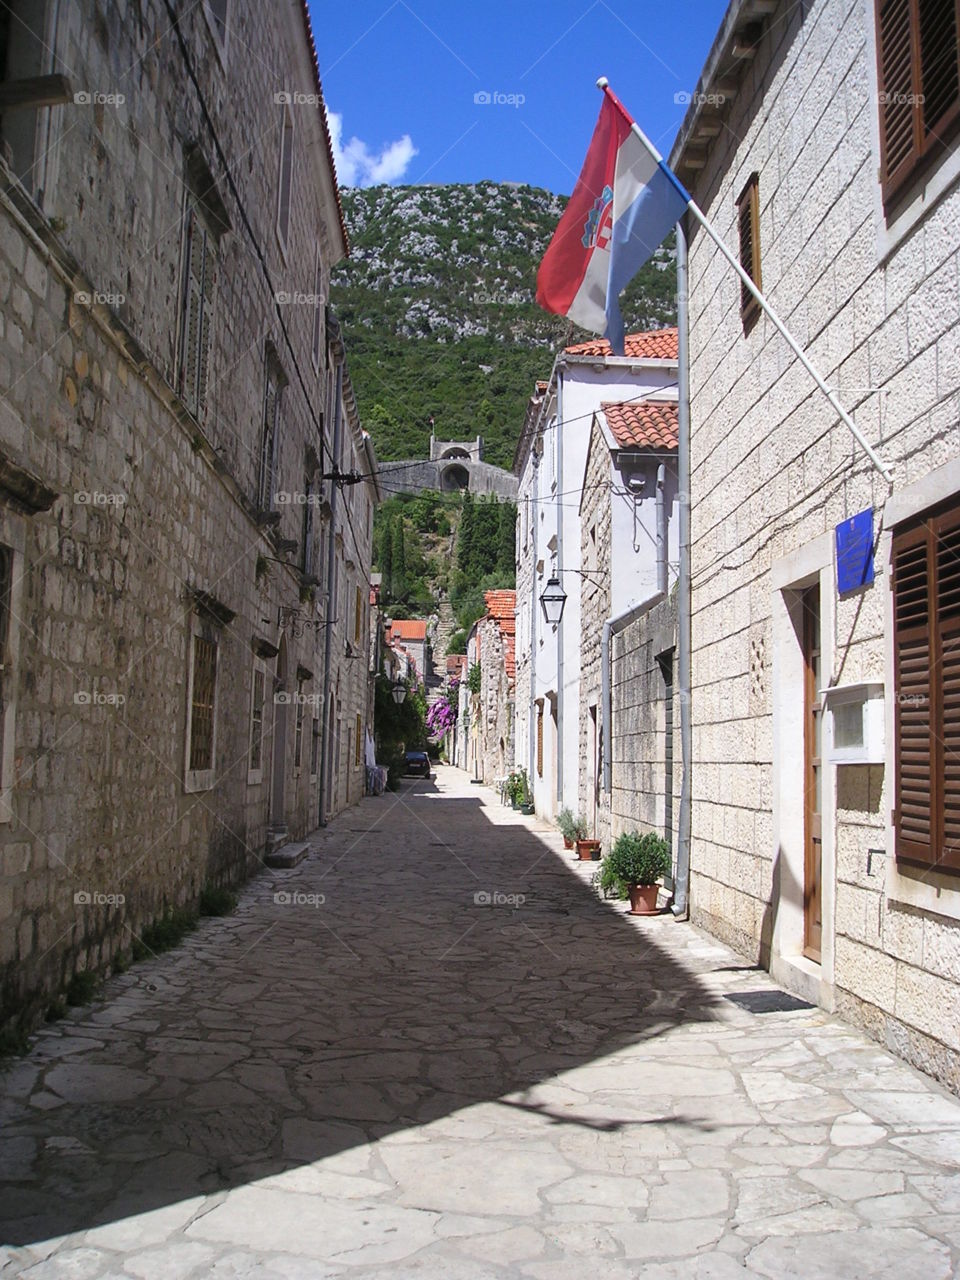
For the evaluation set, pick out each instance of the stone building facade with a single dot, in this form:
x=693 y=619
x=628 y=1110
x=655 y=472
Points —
x=629 y=734
x=823 y=796
x=498 y=671
x=184 y=595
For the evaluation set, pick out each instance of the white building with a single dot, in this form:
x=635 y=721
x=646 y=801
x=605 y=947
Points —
x=549 y=462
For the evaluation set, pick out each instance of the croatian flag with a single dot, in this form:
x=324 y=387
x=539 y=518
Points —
x=624 y=203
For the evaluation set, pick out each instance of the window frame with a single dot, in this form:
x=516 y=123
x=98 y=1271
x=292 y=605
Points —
x=255 y=773
x=927 y=532
x=926 y=147
x=196 y=229
x=201 y=779
x=286 y=166
x=748 y=206
x=270 y=431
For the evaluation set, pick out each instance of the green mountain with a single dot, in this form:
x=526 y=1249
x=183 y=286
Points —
x=438 y=311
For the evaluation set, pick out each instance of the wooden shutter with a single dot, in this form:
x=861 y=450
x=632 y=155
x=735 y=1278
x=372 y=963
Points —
x=945 y=537
x=206 y=320
x=748 y=217
x=199 y=287
x=926 y=591
x=918 y=75
x=268 y=447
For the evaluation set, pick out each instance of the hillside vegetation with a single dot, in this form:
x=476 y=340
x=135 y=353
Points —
x=438 y=310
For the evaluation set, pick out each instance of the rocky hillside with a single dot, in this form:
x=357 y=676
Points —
x=437 y=305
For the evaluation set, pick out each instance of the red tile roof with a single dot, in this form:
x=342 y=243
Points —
x=643 y=424
x=502 y=607
x=408 y=629
x=655 y=344
x=456 y=664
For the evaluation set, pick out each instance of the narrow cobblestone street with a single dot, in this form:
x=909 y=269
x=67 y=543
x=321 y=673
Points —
x=385 y=1064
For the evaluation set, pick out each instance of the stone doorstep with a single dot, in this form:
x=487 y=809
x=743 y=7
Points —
x=288 y=855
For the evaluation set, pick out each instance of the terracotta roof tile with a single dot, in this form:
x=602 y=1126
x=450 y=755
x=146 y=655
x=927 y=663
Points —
x=408 y=629
x=655 y=344
x=502 y=607
x=643 y=424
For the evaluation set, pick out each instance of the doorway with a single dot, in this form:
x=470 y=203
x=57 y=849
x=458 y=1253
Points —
x=812 y=775
x=278 y=776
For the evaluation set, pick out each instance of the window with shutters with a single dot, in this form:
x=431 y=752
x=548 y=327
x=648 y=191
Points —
x=539 y=739
x=270 y=435
x=748 y=221
x=318 y=312
x=918 y=77
x=201 y=706
x=285 y=180
x=255 y=764
x=298 y=733
x=199 y=289
x=310 y=501
x=358 y=617
x=357 y=742
x=926 y=597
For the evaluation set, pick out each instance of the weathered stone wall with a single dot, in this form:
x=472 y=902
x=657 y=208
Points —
x=874 y=300
x=414 y=477
x=595 y=596
x=496 y=705
x=152 y=506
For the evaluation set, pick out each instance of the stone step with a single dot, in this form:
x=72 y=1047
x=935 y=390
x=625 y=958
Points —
x=288 y=855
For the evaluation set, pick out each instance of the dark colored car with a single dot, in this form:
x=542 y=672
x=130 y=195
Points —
x=417 y=763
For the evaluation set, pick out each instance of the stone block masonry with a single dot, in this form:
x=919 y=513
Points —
x=164 y=573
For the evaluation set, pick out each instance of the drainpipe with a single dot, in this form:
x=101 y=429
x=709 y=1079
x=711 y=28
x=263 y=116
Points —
x=325 y=764
x=681 y=902
x=532 y=725
x=560 y=699
x=614 y=625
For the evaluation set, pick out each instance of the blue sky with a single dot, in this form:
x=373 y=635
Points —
x=400 y=78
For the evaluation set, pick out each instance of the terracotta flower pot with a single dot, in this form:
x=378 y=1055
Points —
x=588 y=850
x=643 y=899
x=567 y=842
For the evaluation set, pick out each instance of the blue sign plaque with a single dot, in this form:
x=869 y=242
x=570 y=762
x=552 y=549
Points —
x=855 y=552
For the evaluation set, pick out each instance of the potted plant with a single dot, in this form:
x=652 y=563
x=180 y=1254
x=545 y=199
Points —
x=517 y=788
x=568 y=828
x=587 y=850
x=633 y=867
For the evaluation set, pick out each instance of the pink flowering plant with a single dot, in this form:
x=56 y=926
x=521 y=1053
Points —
x=442 y=716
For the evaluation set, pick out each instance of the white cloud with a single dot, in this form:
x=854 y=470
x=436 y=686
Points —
x=358 y=166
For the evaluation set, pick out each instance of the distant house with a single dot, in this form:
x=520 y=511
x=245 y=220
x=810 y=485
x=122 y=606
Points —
x=409 y=636
x=825 y=711
x=628 y=616
x=549 y=462
x=498 y=672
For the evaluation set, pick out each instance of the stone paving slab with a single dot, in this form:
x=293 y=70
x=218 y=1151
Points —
x=430 y=1050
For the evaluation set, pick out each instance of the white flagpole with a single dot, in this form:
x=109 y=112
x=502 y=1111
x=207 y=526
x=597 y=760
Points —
x=768 y=310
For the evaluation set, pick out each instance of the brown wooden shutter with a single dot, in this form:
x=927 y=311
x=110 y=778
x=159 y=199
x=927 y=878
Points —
x=918 y=76
x=945 y=535
x=748 y=217
x=915 y=766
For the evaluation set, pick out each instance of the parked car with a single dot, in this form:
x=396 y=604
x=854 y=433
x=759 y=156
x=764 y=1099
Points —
x=417 y=763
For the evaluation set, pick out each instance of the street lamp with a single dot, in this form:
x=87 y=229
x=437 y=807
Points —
x=399 y=691
x=552 y=600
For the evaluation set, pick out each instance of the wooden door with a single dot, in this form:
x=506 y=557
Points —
x=812 y=774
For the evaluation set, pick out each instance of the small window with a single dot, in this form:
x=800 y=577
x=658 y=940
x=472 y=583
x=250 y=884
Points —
x=285 y=183
x=196 y=320
x=255 y=768
x=306 y=551
x=748 y=218
x=918 y=77
x=298 y=733
x=358 y=619
x=315 y=747
x=201 y=707
x=270 y=436
x=217 y=12
x=318 y=313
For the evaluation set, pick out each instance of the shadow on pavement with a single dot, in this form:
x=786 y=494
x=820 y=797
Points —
x=426 y=959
